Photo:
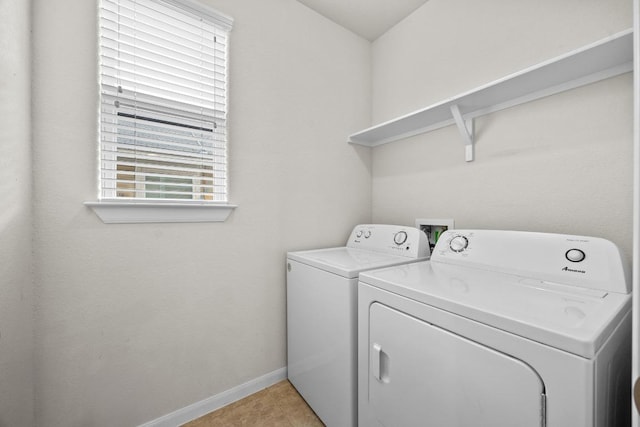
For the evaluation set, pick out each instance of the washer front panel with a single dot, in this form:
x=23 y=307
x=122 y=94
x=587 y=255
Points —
x=321 y=341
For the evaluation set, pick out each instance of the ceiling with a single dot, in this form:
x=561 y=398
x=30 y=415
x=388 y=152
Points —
x=368 y=18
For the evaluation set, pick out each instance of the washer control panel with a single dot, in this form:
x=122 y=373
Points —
x=587 y=262
x=400 y=238
x=391 y=239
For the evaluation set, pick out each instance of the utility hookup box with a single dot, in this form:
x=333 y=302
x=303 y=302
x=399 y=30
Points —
x=433 y=228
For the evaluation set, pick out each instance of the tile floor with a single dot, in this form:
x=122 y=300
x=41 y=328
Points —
x=277 y=406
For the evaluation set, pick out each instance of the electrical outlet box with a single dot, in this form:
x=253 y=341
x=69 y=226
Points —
x=433 y=228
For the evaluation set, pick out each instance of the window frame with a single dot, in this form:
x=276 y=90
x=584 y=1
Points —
x=150 y=210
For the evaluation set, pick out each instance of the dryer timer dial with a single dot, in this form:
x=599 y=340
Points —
x=458 y=243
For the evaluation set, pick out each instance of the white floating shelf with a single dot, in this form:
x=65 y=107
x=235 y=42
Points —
x=598 y=61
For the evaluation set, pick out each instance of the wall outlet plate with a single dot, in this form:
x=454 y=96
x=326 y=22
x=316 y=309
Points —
x=433 y=228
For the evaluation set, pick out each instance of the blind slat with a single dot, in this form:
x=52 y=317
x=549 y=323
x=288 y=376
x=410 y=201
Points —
x=133 y=82
x=170 y=185
x=166 y=171
x=158 y=43
x=140 y=24
x=148 y=139
x=182 y=145
x=163 y=101
x=187 y=187
x=164 y=16
x=161 y=106
x=206 y=183
x=126 y=126
x=111 y=38
x=149 y=158
x=162 y=65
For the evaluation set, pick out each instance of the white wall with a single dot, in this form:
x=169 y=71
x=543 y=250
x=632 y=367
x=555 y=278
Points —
x=560 y=164
x=136 y=321
x=16 y=280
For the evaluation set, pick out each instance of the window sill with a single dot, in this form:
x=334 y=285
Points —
x=133 y=212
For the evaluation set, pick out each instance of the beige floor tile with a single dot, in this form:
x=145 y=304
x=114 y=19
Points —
x=277 y=406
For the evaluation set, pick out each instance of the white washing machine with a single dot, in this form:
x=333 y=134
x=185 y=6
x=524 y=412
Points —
x=498 y=329
x=322 y=314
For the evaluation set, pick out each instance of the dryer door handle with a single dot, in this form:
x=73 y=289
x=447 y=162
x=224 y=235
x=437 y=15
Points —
x=636 y=394
x=375 y=361
x=379 y=363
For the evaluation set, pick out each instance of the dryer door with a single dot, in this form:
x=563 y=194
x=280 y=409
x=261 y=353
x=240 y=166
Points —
x=422 y=375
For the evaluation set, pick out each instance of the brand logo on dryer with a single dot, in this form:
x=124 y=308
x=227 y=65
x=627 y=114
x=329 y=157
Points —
x=573 y=270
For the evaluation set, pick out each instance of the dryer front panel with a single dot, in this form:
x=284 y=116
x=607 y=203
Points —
x=420 y=374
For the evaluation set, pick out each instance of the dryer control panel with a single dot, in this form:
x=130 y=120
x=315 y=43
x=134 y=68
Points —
x=580 y=261
x=390 y=239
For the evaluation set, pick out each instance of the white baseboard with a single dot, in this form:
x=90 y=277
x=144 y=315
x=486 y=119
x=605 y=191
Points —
x=212 y=403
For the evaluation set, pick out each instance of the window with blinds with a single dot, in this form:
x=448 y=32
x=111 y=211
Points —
x=163 y=109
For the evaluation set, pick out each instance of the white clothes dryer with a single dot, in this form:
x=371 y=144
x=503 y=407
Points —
x=322 y=314
x=498 y=329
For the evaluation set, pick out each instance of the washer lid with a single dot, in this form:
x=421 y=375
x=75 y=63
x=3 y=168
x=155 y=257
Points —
x=348 y=262
x=570 y=318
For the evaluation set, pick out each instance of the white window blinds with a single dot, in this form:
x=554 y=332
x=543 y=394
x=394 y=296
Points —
x=163 y=75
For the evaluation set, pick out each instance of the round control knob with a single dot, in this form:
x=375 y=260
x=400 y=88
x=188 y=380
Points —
x=458 y=244
x=575 y=255
x=400 y=237
x=367 y=234
x=359 y=233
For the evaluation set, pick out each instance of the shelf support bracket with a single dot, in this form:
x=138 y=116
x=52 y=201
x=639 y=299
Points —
x=466 y=131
